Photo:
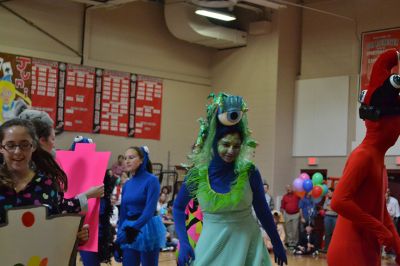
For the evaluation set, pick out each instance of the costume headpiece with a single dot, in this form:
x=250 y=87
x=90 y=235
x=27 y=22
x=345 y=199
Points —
x=143 y=166
x=225 y=114
x=381 y=97
x=231 y=113
x=80 y=139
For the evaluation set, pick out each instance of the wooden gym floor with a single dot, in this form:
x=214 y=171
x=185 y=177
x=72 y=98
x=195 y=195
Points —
x=168 y=259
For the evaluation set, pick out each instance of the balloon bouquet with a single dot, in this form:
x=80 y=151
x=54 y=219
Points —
x=303 y=184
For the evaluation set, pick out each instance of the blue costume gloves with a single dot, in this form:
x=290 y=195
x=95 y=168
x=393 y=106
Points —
x=265 y=217
x=186 y=253
x=117 y=253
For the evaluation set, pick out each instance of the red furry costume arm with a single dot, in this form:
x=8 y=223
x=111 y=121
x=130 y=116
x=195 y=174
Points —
x=357 y=170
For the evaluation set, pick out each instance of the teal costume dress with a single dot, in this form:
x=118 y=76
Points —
x=230 y=235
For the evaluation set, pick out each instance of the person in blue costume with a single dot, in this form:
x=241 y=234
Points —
x=227 y=185
x=105 y=241
x=141 y=232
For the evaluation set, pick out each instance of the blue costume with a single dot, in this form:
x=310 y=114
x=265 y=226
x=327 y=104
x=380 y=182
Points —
x=226 y=192
x=104 y=253
x=138 y=216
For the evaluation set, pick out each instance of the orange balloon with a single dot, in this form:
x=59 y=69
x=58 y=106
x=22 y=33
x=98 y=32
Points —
x=301 y=194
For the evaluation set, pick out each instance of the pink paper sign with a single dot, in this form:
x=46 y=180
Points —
x=85 y=168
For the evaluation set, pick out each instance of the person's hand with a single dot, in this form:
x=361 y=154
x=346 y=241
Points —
x=131 y=234
x=95 y=192
x=83 y=234
x=186 y=254
x=303 y=220
x=280 y=254
x=117 y=253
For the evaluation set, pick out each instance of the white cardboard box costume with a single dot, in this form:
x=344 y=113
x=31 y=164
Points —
x=30 y=237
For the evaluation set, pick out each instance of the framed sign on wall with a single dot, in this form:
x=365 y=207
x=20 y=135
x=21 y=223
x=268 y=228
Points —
x=372 y=45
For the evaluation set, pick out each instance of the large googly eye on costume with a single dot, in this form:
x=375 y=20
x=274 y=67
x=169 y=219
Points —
x=395 y=81
x=230 y=118
x=230 y=112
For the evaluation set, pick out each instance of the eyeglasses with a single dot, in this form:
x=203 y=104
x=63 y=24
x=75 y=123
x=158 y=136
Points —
x=12 y=147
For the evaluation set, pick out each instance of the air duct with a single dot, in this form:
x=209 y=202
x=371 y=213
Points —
x=184 y=24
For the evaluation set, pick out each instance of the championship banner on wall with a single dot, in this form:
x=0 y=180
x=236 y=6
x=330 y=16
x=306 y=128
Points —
x=115 y=103
x=148 y=107
x=79 y=98
x=15 y=84
x=45 y=86
x=373 y=44
x=82 y=99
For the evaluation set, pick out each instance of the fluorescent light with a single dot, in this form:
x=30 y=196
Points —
x=215 y=14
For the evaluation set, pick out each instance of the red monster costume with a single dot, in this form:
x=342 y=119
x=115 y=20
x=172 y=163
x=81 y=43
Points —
x=364 y=224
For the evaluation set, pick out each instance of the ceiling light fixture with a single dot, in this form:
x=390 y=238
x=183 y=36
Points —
x=215 y=14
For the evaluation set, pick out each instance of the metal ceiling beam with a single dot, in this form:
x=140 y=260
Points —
x=32 y=24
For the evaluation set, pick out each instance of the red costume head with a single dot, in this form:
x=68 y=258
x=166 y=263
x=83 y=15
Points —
x=380 y=102
x=381 y=97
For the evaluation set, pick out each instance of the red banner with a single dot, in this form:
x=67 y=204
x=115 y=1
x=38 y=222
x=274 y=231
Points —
x=79 y=98
x=115 y=103
x=44 y=86
x=373 y=44
x=148 y=107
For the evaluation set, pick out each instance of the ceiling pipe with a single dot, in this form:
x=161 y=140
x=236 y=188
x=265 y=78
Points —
x=215 y=4
x=266 y=4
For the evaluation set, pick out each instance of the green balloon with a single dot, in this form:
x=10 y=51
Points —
x=317 y=178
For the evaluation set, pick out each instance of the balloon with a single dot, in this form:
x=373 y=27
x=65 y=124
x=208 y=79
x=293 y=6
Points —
x=298 y=184
x=300 y=194
x=317 y=178
x=324 y=189
x=316 y=192
x=317 y=200
x=304 y=176
x=307 y=185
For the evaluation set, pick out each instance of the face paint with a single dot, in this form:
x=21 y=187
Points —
x=229 y=147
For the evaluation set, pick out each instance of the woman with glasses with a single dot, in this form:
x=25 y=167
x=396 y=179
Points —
x=141 y=232
x=31 y=176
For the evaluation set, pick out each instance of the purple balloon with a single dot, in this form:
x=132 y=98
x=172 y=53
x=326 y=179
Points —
x=304 y=176
x=298 y=184
x=307 y=185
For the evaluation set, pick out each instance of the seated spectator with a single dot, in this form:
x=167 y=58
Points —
x=162 y=204
x=117 y=192
x=307 y=243
x=167 y=191
x=118 y=167
x=280 y=229
x=268 y=197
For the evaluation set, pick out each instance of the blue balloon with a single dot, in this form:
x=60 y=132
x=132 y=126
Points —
x=307 y=185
